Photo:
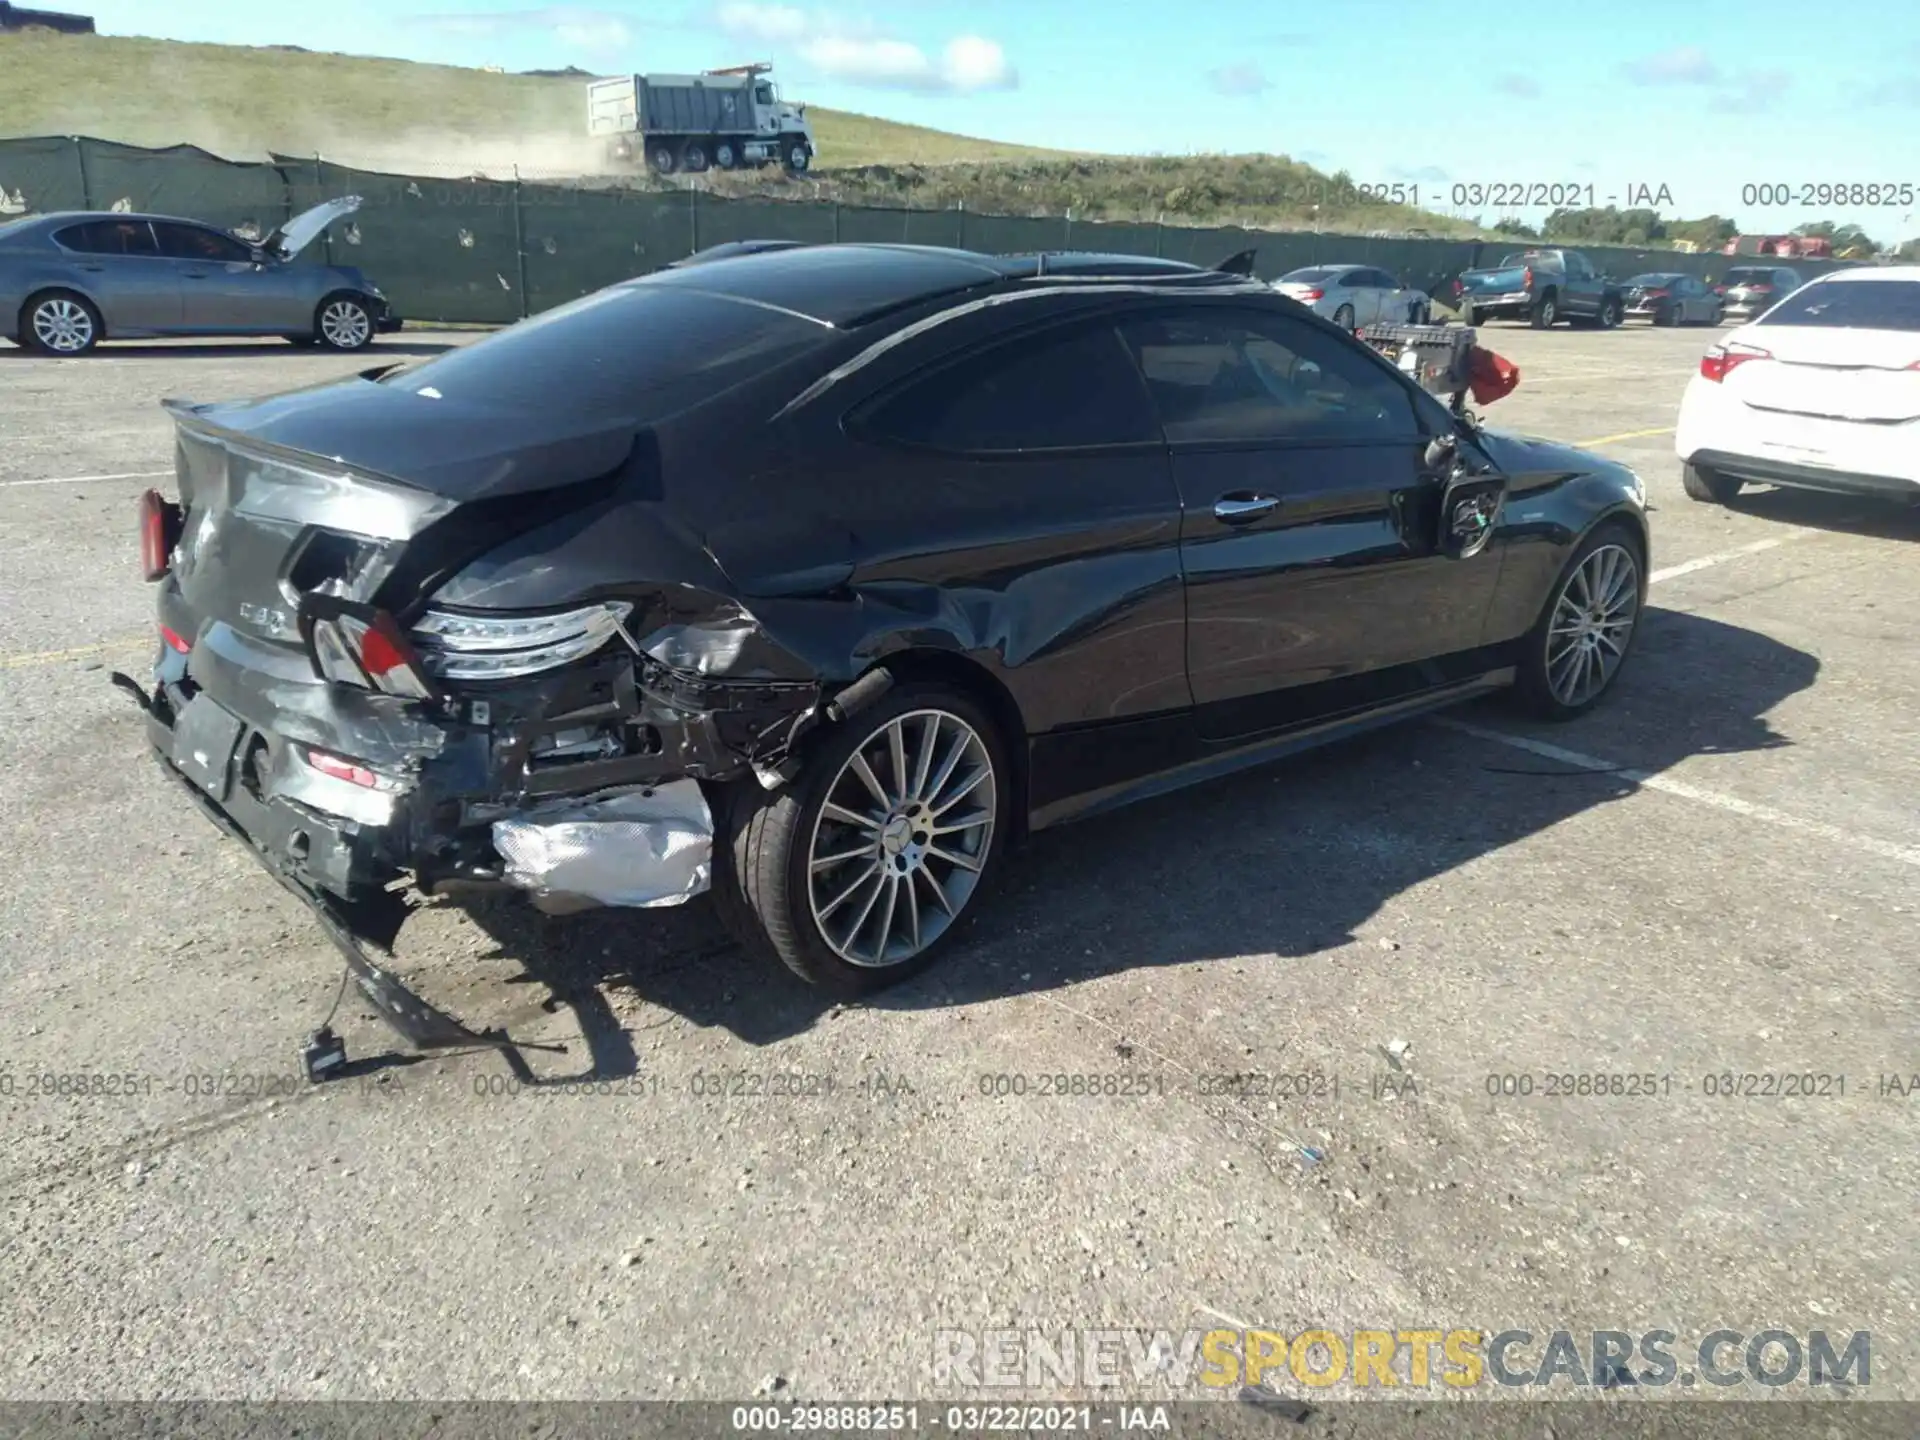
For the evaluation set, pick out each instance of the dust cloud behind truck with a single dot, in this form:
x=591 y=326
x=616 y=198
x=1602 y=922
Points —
x=726 y=119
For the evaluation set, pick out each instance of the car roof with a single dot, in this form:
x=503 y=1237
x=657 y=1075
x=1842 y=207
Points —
x=846 y=285
x=77 y=217
x=1908 y=273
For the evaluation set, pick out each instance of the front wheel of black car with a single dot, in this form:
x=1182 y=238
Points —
x=856 y=872
x=343 y=322
x=1579 y=645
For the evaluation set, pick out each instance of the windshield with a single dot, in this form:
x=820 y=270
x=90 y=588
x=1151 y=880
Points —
x=1312 y=275
x=638 y=351
x=1852 y=304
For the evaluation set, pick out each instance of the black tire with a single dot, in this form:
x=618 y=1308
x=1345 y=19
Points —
x=1343 y=317
x=1532 y=690
x=763 y=862
x=1667 y=315
x=343 y=322
x=1546 y=310
x=795 y=157
x=662 y=158
x=1611 y=313
x=64 y=303
x=1709 y=486
x=726 y=156
x=1471 y=318
x=694 y=157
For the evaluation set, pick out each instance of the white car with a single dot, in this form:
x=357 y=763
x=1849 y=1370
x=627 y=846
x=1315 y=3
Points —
x=1355 y=296
x=1821 y=392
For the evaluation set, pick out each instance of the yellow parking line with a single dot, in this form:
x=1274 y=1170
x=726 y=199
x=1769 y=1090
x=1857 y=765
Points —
x=48 y=657
x=1626 y=435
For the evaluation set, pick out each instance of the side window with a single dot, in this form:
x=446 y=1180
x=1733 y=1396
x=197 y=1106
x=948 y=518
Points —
x=1227 y=376
x=110 y=237
x=195 y=242
x=1577 y=267
x=1061 y=391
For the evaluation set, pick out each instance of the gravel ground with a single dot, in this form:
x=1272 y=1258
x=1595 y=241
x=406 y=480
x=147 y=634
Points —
x=1714 y=873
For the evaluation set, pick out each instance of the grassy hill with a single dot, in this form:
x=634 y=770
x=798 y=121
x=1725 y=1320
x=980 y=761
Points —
x=437 y=119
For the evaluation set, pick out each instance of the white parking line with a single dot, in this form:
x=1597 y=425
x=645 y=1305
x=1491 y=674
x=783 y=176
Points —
x=87 y=479
x=1746 y=809
x=1772 y=542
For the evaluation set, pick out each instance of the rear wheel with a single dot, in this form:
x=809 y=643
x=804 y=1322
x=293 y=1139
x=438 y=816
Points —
x=1581 y=641
x=725 y=156
x=59 y=322
x=662 y=158
x=859 y=870
x=1611 y=312
x=1343 y=317
x=1471 y=318
x=1709 y=486
x=1546 y=310
x=343 y=322
x=695 y=157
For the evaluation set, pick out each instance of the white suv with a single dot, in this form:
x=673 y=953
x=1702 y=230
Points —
x=1822 y=392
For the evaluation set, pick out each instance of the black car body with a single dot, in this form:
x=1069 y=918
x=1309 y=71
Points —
x=755 y=507
x=1668 y=297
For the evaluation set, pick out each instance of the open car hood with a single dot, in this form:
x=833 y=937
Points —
x=299 y=232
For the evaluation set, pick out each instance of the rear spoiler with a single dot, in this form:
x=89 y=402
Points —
x=1239 y=263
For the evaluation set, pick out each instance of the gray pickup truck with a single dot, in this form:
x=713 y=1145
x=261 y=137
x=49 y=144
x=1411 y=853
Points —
x=1542 y=286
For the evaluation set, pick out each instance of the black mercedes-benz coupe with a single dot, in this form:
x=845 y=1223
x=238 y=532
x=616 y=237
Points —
x=822 y=575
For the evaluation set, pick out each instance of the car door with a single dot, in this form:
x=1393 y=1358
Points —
x=119 y=264
x=1582 y=293
x=224 y=288
x=1316 y=583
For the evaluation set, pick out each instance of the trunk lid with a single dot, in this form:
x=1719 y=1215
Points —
x=290 y=495
x=1842 y=374
x=1482 y=282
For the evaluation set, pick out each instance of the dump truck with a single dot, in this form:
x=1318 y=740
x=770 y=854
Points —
x=726 y=119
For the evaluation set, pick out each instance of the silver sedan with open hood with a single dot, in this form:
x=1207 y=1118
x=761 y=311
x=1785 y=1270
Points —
x=72 y=279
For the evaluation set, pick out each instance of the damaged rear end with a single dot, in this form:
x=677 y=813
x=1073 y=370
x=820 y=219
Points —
x=411 y=636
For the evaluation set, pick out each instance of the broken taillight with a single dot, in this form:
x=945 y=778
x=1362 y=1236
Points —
x=360 y=646
x=176 y=642
x=341 y=768
x=160 y=524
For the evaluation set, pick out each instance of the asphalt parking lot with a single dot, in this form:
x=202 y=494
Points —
x=1713 y=874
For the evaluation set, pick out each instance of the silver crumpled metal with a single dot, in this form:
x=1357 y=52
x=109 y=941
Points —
x=645 y=847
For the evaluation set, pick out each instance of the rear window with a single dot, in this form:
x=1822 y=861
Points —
x=1528 y=257
x=1854 y=304
x=1646 y=280
x=15 y=227
x=1748 y=276
x=1313 y=275
x=639 y=351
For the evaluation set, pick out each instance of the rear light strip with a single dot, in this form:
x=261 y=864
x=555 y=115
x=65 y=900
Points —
x=1722 y=360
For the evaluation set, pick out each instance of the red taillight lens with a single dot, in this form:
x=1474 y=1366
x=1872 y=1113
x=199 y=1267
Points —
x=1721 y=361
x=160 y=521
x=175 y=641
x=1526 y=278
x=342 y=769
x=1654 y=294
x=1313 y=294
x=367 y=650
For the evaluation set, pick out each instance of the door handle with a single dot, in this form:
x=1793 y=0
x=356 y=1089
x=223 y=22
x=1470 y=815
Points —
x=1241 y=506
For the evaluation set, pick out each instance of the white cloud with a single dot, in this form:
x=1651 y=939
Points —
x=1684 y=65
x=1522 y=87
x=859 y=54
x=1753 y=91
x=1241 y=79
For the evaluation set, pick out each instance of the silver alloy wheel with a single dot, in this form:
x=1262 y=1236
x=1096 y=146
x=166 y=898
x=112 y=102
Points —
x=62 y=325
x=901 y=838
x=345 y=325
x=1592 y=622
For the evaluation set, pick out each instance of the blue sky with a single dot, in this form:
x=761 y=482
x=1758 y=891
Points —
x=1704 y=99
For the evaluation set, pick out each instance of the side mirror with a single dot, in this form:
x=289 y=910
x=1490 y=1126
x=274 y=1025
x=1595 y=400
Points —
x=1469 y=510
